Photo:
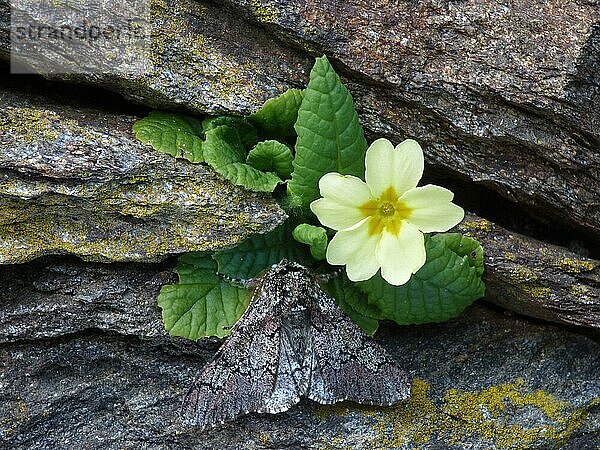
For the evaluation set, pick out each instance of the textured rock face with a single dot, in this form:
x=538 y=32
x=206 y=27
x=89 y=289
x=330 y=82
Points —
x=74 y=180
x=503 y=94
x=103 y=375
x=202 y=57
x=535 y=278
x=47 y=299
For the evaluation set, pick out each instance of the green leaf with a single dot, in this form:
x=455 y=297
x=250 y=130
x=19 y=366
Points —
x=245 y=130
x=315 y=237
x=354 y=303
x=224 y=152
x=465 y=246
x=175 y=134
x=330 y=138
x=272 y=156
x=449 y=281
x=278 y=115
x=202 y=303
x=260 y=252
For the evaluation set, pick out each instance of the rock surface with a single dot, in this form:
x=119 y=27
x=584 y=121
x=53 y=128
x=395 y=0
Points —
x=74 y=180
x=55 y=297
x=535 y=278
x=503 y=95
x=103 y=374
x=201 y=57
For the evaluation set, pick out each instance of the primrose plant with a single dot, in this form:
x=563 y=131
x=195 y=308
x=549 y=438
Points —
x=348 y=205
x=380 y=221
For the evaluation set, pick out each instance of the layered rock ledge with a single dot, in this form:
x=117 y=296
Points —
x=506 y=96
x=74 y=180
x=85 y=362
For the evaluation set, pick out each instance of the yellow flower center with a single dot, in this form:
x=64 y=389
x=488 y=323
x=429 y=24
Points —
x=387 y=212
x=387 y=209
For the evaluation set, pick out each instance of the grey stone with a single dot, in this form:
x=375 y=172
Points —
x=74 y=180
x=97 y=378
x=202 y=57
x=536 y=278
x=503 y=96
x=50 y=298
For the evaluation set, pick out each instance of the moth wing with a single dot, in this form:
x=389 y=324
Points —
x=291 y=376
x=255 y=370
x=347 y=364
x=233 y=383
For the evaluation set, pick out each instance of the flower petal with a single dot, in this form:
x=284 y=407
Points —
x=402 y=255
x=379 y=164
x=355 y=249
x=344 y=189
x=400 y=167
x=343 y=195
x=334 y=215
x=432 y=209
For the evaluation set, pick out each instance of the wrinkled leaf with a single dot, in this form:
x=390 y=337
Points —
x=245 y=129
x=224 y=152
x=330 y=138
x=315 y=237
x=261 y=251
x=278 y=115
x=175 y=134
x=272 y=156
x=465 y=247
x=202 y=303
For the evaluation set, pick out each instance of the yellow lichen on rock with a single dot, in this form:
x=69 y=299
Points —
x=519 y=274
x=10 y=424
x=227 y=76
x=264 y=438
x=570 y=265
x=459 y=416
x=413 y=421
x=31 y=124
x=265 y=12
x=582 y=292
x=536 y=292
x=75 y=220
x=472 y=228
x=481 y=413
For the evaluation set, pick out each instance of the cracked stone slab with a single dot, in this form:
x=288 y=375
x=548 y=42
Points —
x=84 y=361
x=523 y=275
x=483 y=381
x=74 y=180
x=52 y=297
x=535 y=278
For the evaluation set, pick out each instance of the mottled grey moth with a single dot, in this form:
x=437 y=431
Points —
x=292 y=341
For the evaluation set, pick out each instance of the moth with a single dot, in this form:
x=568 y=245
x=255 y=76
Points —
x=292 y=341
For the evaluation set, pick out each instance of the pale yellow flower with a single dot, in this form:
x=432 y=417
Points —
x=381 y=222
